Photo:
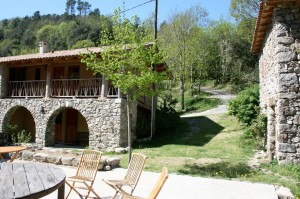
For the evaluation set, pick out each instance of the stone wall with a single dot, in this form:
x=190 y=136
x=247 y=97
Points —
x=279 y=85
x=3 y=80
x=106 y=119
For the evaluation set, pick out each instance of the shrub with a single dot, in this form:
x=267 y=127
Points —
x=258 y=131
x=246 y=105
x=10 y=130
x=21 y=137
x=167 y=118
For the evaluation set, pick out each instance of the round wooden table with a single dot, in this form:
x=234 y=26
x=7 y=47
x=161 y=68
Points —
x=30 y=180
x=11 y=149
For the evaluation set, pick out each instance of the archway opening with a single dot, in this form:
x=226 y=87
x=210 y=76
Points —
x=20 y=121
x=71 y=128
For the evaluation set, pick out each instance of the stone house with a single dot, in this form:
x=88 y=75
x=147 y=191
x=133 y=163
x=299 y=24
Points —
x=53 y=96
x=277 y=41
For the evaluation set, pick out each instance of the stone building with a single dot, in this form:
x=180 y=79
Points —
x=277 y=41
x=55 y=98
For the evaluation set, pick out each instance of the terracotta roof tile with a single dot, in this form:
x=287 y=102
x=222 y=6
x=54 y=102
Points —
x=49 y=55
x=264 y=19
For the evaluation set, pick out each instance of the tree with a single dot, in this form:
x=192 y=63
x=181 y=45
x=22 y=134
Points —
x=36 y=15
x=86 y=7
x=95 y=12
x=70 y=7
x=176 y=36
x=127 y=61
x=80 y=6
x=244 y=9
x=83 y=44
x=245 y=13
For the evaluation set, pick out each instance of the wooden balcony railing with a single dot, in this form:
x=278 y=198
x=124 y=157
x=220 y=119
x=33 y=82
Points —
x=61 y=88
x=35 y=88
x=112 y=91
x=75 y=87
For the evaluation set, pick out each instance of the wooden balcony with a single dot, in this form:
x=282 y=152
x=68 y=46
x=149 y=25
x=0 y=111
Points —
x=61 y=88
x=36 y=88
x=75 y=87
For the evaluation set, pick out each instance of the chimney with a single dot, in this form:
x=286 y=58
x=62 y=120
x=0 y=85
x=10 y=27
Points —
x=43 y=46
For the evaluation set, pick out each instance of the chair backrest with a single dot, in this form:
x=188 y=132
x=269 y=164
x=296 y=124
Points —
x=135 y=168
x=159 y=184
x=89 y=164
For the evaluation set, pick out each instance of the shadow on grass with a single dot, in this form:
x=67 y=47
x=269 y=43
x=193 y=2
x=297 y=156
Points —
x=194 y=131
x=221 y=169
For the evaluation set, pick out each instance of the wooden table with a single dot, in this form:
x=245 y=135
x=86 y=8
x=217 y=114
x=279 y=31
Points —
x=11 y=149
x=30 y=180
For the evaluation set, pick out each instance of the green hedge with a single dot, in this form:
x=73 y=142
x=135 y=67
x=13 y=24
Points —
x=246 y=105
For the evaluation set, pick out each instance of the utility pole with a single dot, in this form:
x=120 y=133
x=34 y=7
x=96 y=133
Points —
x=155 y=19
x=154 y=98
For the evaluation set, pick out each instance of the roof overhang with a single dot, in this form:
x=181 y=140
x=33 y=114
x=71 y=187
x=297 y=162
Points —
x=44 y=57
x=264 y=18
x=63 y=55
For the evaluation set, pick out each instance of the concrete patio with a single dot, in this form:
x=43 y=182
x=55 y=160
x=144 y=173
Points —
x=180 y=186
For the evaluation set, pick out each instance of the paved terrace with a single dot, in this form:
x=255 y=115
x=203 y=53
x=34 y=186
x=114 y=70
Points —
x=180 y=186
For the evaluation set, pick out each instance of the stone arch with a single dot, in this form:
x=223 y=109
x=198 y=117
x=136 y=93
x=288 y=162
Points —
x=67 y=125
x=23 y=118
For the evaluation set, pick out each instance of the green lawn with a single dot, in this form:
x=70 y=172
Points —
x=197 y=103
x=212 y=147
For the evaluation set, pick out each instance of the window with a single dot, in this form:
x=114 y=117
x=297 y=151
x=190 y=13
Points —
x=74 y=72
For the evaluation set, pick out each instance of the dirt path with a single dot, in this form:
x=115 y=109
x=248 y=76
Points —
x=224 y=97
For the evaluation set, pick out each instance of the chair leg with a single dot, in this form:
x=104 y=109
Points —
x=70 y=188
x=115 y=195
x=95 y=194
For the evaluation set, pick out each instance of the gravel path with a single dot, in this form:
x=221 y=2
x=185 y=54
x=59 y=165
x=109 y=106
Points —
x=224 y=97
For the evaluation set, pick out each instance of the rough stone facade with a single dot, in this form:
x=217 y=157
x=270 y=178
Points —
x=279 y=85
x=106 y=119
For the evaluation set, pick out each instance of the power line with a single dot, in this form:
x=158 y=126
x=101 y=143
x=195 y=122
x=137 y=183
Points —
x=136 y=6
x=108 y=17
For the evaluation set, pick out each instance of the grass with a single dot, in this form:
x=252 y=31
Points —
x=212 y=147
x=196 y=103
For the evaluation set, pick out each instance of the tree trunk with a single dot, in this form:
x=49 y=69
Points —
x=182 y=92
x=191 y=86
x=199 y=83
x=129 y=129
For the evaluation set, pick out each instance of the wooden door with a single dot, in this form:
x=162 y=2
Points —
x=58 y=72
x=71 y=126
x=57 y=88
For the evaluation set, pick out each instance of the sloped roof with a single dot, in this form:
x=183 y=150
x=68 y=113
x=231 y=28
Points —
x=50 y=55
x=264 y=19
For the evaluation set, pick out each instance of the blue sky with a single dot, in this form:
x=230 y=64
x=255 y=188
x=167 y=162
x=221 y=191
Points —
x=21 y=8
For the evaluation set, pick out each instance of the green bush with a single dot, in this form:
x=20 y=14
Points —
x=167 y=118
x=246 y=105
x=258 y=131
x=9 y=131
x=13 y=135
x=21 y=137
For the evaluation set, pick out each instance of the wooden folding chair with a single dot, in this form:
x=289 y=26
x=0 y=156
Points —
x=134 y=171
x=85 y=174
x=158 y=186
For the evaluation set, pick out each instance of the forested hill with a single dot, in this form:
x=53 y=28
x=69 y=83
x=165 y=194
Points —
x=67 y=31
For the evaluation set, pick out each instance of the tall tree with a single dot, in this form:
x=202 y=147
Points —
x=127 y=61
x=86 y=8
x=176 y=36
x=70 y=7
x=80 y=7
x=244 y=9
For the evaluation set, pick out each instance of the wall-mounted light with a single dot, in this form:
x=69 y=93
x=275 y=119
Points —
x=43 y=110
